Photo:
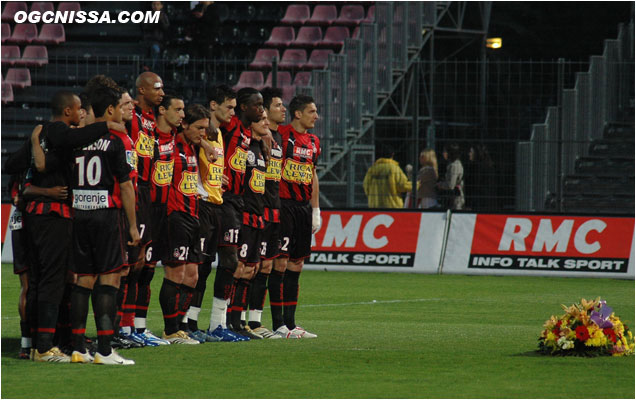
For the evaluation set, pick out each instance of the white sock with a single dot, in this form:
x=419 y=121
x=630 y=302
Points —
x=193 y=313
x=217 y=316
x=243 y=313
x=126 y=330
x=140 y=323
x=185 y=318
x=255 y=315
x=25 y=342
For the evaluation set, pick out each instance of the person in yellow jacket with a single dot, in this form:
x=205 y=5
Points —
x=385 y=182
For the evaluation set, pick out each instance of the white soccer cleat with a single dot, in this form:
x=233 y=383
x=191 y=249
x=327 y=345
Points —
x=280 y=333
x=179 y=337
x=151 y=340
x=300 y=333
x=112 y=359
x=263 y=332
x=53 y=355
x=82 y=358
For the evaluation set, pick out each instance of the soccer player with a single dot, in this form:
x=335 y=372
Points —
x=101 y=188
x=236 y=139
x=184 y=246
x=251 y=114
x=211 y=180
x=273 y=104
x=149 y=95
x=48 y=219
x=300 y=212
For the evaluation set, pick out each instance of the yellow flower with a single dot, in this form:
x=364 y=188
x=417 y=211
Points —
x=588 y=305
x=629 y=333
x=550 y=336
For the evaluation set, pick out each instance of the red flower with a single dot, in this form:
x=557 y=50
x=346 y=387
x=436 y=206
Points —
x=610 y=334
x=581 y=333
x=558 y=324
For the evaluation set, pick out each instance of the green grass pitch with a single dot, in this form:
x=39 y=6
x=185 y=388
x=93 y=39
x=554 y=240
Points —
x=379 y=336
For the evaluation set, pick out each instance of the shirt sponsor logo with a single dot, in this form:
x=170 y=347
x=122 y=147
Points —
x=303 y=152
x=147 y=125
x=15 y=222
x=296 y=172
x=238 y=160
x=188 y=184
x=145 y=145
x=213 y=177
x=166 y=148
x=90 y=199
x=162 y=175
x=274 y=169
x=257 y=181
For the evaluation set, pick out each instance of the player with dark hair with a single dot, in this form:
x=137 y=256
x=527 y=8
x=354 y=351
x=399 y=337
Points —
x=211 y=179
x=300 y=212
x=101 y=187
x=149 y=95
x=48 y=219
x=183 y=242
x=273 y=104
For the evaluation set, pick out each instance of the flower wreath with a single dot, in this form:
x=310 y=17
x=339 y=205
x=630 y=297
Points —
x=588 y=329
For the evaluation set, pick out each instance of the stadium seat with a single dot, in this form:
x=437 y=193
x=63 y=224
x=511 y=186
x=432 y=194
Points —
x=284 y=79
x=370 y=15
x=51 y=34
x=323 y=15
x=296 y=14
x=18 y=77
x=34 y=56
x=11 y=8
x=42 y=6
x=288 y=93
x=318 y=59
x=24 y=33
x=7 y=92
x=6 y=32
x=293 y=59
x=302 y=78
x=10 y=55
x=69 y=6
x=335 y=37
x=250 y=79
x=356 y=33
x=263 y=58
x=281 y=36
x=350 y=15
x=308 y=36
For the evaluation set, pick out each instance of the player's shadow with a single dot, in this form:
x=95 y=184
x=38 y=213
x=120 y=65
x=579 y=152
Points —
x=10 y=347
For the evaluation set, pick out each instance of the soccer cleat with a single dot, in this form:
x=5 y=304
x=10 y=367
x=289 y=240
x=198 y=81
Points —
x=179 y=337
x=83 y=358
x=151 y=340
x=248 y=332
x=112 y=359
x=136 y=338
x=121 y=342
x=226 y=335
x=209 y=338
x=25 y=353
x=200 y=336
x=263 y=332
x=53 y=355
x=280 y=333
x=300 y=333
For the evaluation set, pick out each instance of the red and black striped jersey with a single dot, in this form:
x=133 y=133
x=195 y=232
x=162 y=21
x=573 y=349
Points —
x=236 y=139
x=272 y=179
x=131 y=156
x=142 y=135
x=254 y=185
x=183 y=190
x=98 y=169
x=300 y=154
x=162 y=166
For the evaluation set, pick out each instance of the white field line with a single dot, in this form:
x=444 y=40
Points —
x=360 y=303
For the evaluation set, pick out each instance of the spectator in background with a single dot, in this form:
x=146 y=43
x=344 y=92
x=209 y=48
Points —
x=427 y=180
x=454 y=177
x=480 y=178
x=385 y=182
x=154 y=34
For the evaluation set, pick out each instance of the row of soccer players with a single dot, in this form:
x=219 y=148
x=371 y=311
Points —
x=190 y=181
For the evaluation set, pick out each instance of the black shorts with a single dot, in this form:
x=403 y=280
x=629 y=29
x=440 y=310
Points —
x=249 y=250
x=157 y=248
x=231 y=219
x=132 y=251
x=144 y=214
x=210 y=223
x=270 y=242
x=99 y=243
x=184 y=244
x=20 y=248
x=295 y=229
